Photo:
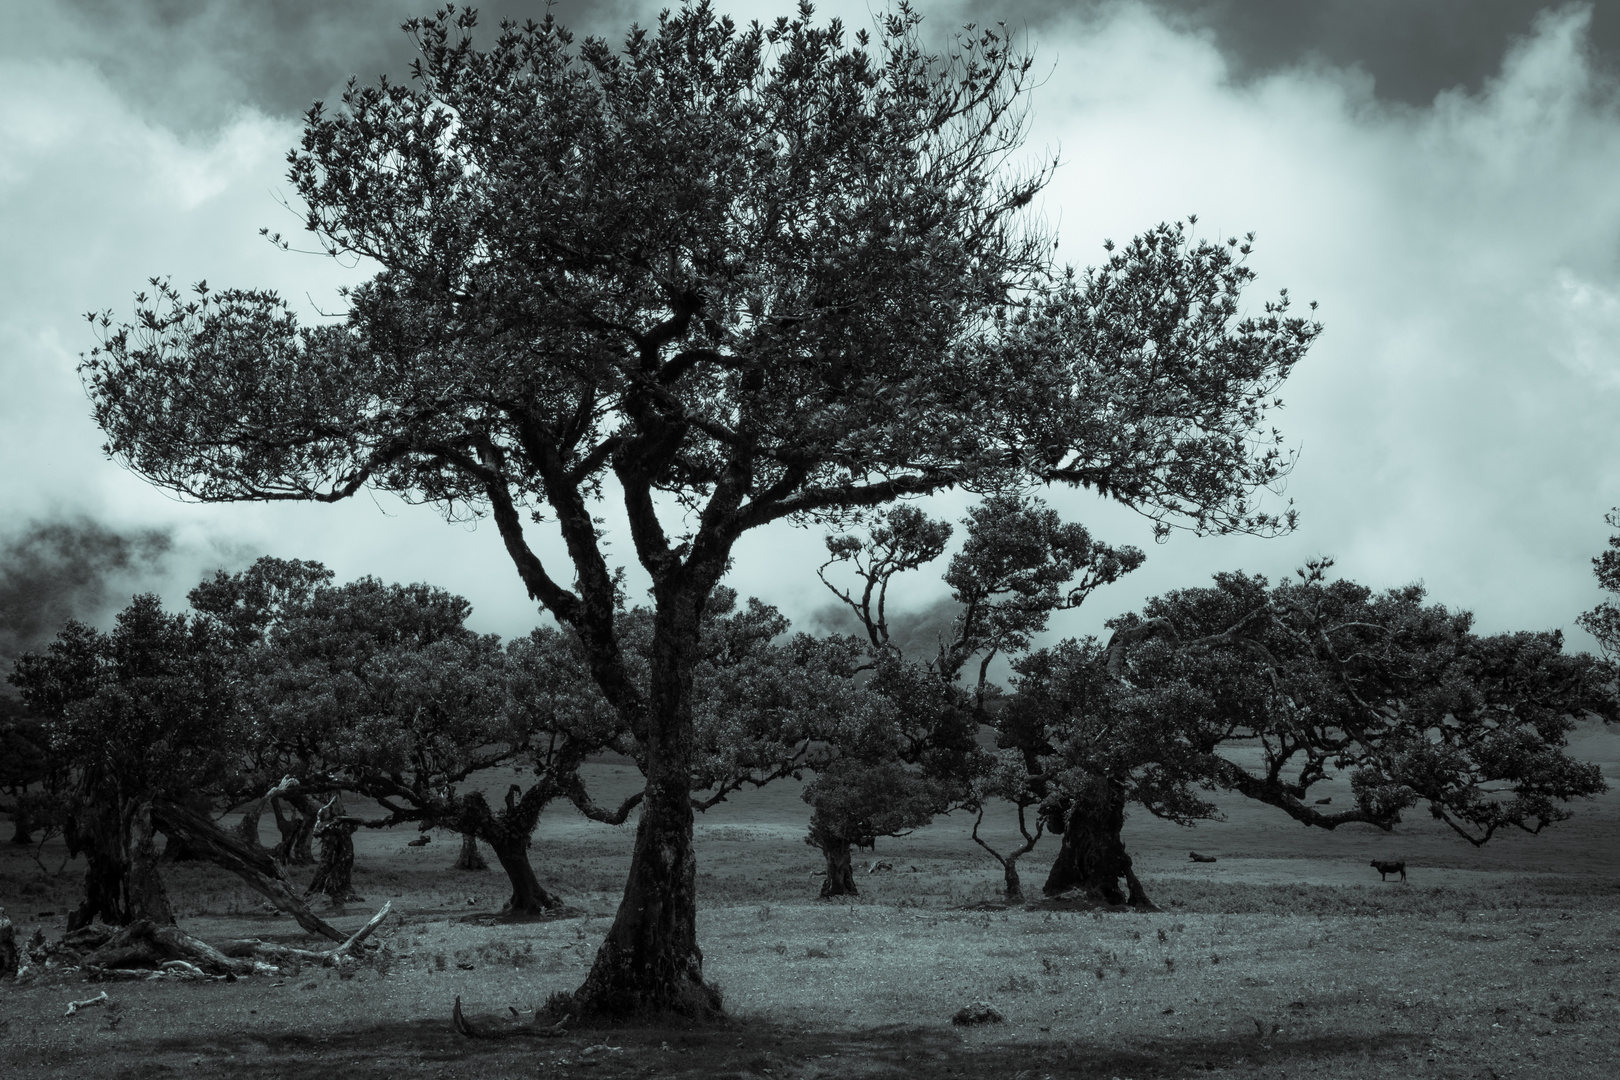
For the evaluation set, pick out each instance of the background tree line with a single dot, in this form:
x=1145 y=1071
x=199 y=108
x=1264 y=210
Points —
x=282 y=689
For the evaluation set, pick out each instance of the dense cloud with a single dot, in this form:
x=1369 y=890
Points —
x=1455 y=422
x=1412 y=49
x=197 y=64
x=51 y=571
x=918 y=632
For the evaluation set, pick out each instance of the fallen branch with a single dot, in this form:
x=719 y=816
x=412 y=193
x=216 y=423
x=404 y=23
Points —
x=75 y=1006
x=364 y=932
x=145 y=945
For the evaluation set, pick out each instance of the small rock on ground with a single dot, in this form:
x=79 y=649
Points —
x=980 y=1012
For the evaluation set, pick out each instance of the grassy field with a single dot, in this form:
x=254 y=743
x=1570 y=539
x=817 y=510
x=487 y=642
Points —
x=1287 y=957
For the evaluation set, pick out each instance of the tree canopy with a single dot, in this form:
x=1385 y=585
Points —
x=138 y=714
x=1268 y=690
x=1603 y=621
x=727 y=277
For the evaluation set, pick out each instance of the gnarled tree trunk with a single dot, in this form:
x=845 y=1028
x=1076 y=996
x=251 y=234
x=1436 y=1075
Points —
x=469 y=858
x=529 y=897
x=840 y=878
x=1093 y=858
x=144 y=896
x=121 y=880
x=650 y=961
x=297 y=829
x=334 y=874
x=507 y=834
x=93 y=832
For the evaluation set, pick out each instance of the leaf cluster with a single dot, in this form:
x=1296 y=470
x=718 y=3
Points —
x=142 y=711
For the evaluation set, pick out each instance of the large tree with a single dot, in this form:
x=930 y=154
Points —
x=728 y=278
x=1268 y=690
x=1019 y=562
x=141 y=715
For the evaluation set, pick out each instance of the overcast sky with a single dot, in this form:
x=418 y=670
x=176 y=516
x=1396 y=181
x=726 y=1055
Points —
x=1442 y=176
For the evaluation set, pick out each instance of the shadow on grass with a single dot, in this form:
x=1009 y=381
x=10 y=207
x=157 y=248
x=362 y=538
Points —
x=730 y=1049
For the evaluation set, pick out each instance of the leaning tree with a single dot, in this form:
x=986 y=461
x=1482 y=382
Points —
x=1268 y=690
x=726 y=278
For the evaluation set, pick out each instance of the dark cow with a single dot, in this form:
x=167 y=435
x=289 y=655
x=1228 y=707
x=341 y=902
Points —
x=1386 y=868
x=1201 y=858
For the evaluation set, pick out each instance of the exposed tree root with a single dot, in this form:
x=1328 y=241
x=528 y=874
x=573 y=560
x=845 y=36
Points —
x=505 y=1027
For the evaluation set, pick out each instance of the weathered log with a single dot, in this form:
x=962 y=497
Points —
x=146 y=944
x=253 y=948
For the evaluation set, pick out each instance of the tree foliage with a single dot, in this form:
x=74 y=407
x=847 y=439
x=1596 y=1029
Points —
x=1268 y=690
x=1019 y=562
x=1603 y=621
x=139 y=714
